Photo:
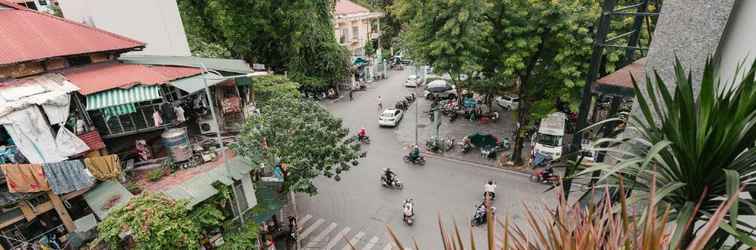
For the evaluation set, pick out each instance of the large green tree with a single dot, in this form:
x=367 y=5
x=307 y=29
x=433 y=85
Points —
x=287 y=35
x=542 y=47
x=303 y=135
x=444 y=33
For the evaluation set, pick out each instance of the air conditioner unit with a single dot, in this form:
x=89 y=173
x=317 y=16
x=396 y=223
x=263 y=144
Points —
x=207 y=125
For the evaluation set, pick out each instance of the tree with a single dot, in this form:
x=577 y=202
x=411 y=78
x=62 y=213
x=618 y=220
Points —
x=302 y=134
x=444 y=33
x=543 y=46
x=268 y=87
x=288 y=35
x=698 y=148
x=154 y=221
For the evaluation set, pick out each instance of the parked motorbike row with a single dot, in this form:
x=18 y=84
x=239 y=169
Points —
x=543 y=171
x=405 y=102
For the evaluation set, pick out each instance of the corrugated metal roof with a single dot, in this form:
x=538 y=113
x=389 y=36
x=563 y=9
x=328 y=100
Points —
x=199 y=188
x=346 y=7
x=27 y=35
x=93 y=140
x=621 y=78
x=99 y=77
x=196 y=83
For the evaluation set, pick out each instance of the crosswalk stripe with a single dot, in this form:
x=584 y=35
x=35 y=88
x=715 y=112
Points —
x=338 y=238
x=311 y=228
x=371 y=243
x=304 y=220
x=388 y=246
x=315 y=241
x=354 y=240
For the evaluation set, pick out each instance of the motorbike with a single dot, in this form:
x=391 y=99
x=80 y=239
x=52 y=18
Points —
x=539 y=175
x=410 y=98
x=489 y=194
x=452 y=117
x=402 y=104
x=419 y=161
x=479 y=218
x=395 y=184
x=408 y=218
x=364 y=140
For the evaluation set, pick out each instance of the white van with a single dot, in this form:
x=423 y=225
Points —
x=549 y=139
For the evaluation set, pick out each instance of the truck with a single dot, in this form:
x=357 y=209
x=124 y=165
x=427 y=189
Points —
x=549 y=139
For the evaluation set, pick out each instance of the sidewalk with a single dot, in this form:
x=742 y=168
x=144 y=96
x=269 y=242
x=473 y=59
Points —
x=458 y=129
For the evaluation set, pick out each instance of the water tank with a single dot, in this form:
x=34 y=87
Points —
x=176 y=140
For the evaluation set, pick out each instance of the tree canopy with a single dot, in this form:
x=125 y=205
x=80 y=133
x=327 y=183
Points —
x=302 y=134
x=154 y=221
x=287 y=35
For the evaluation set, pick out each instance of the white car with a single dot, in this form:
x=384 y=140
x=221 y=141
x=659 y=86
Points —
x=390 y=117
x=412 y=81
x=508 y=102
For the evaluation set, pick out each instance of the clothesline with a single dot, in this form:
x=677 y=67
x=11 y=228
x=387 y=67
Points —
x=62 y=177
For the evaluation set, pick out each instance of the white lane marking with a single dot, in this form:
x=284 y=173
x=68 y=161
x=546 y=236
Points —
x=311 y=228
x=338 y=238
x=322 y=234
x=304 y=220
x=354 y=240
x=371 y=243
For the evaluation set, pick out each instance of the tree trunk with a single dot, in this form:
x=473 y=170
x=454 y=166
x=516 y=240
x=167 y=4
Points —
x=522 y=110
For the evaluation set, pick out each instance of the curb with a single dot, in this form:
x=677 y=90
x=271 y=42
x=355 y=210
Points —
x=474 y=164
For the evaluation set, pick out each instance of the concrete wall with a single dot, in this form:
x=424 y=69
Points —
x=738 y=44
x=155 y=22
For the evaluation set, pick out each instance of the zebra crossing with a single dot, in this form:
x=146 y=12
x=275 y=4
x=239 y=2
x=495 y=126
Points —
x=317 y=233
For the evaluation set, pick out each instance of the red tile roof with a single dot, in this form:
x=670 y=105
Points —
x=346 y=7
x=621 y=78
x=98 y=77
x=93 y=140
x=27 y=35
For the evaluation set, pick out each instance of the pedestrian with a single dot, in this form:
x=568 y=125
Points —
x=380 y=104
x=350 y=95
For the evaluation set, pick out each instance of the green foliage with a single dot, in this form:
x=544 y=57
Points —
x=287 y=35
x=202 y=48
x=444 y=33
x=208 y=215
x=155 y=174
x=274 y=86
x=302 y=134
x=154 y=221
x=242 y=238
x=699 y=146
x=370 y=48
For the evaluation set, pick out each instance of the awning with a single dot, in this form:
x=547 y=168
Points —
x=106 y=196
x=620 y=82
x=359 y=61
x=200 y=187
x=116 y=98
x=196 y=83
x=36 y=90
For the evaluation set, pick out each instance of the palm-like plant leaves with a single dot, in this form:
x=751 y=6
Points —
x=697 y=144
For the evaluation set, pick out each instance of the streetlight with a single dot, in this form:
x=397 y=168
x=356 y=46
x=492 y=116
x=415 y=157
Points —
x=217 y=124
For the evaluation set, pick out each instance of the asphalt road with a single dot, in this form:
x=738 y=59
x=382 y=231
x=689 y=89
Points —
x=358 y=208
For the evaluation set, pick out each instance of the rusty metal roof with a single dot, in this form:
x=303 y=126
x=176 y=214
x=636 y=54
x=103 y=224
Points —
x=346 y=7
x=99 y=77
x=28 y=35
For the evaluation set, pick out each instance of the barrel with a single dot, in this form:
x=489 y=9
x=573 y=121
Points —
x=176 y=141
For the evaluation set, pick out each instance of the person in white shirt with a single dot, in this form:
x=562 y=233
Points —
x=489 y=188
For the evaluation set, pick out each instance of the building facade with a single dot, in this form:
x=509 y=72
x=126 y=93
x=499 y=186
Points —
x=355 y=26
x=157 y=23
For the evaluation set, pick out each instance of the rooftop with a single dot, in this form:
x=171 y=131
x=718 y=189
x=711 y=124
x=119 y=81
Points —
x=99 y=77
x=346 y=7
x=28 y=35
x=620 y=80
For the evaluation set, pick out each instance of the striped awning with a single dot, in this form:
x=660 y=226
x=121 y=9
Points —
x=120 y=98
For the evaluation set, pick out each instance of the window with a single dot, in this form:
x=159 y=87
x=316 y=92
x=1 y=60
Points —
x=240 y=197
x=355 y=33
x=550 y=140
x=43 y=2
x=344 y=35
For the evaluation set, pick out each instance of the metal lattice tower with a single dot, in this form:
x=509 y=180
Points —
x=639 y=10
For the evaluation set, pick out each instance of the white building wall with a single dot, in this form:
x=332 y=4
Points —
x=155 y=22
x=737 y=45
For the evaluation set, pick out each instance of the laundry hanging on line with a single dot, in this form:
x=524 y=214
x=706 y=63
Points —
x=104 y=167
x=25 y=178
x=67 y=176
